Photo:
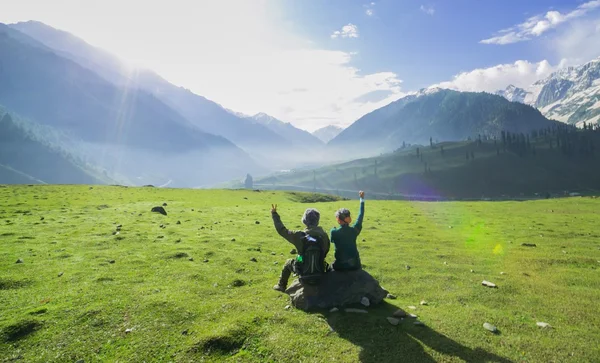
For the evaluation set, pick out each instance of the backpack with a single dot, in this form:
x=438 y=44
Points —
x=311 y=264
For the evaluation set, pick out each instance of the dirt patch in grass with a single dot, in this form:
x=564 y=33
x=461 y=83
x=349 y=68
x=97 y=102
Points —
x=225 y=344
x=179 y=255
x=20 y=330
x=8 y=284
x=313 y=197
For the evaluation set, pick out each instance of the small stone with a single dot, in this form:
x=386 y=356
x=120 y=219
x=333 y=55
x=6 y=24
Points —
x=41 y=218
x=111 y=261
x=191 y=259
x=257 y=222
x=164 y=204
x=233 y=240
x=275 y=263
x=472 y=270
x=287 y=307
x=293 y=251
x=423 y=302
x=178 y=222
x=412 y=316
x=490 y=327
x=253 y=259
x=419 y=323
x=115 y=233
x=364 y=240
x=185 y=332
x=393 y=321
x=178 y=240
x=565 y=252
x=399 y=313
x=412 y=307
x=365 y=301
x=216 y=223
x=60 y=274
x=20 y=260
x=273 y=253
x=407 y=267
x=391 y=297
x=445 y=263
x=450 y=227
x=352 y=310
x=543 y=325
x=205 y=261
x=528 y=245
x=502 y=273
x=334 y=310
x=127 y=331
x=488 y=284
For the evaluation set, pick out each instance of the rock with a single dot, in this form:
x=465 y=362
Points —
x=41 y=218
x=115 y=233
x=205 y=260
x=352 y=310
x=407 y=267
x=164 y=204
x=334 y=310
x=502 y=273
x=162 y=226
x=178 y=222
x=419 y=323
x=160 y=210
x=233 y=240
x=399 y=313
x=488 y=284
x=60 y=274
x=337 y=289
x=273 y=253
x=127 y=331
x=543 y=325
x=445 y=263
x=412 y=316
x=423 y=302
x=393 y=321
x=253 y=259
x=191 y=259
x=472 y=270
x=365 y=301
x=178 y=240
x=391 y=297
x=20 y=260
x=528 y=244
x=490 y=327
x=293 y=251
x=185 y=332
x=412 y=307
x=111 y=261
x=257 y=222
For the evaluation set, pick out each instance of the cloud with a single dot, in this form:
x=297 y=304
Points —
x=578 y=43
x=539 y=24
x=429 y=10
x=521 y=73
x=348 y=31
x=370 y=11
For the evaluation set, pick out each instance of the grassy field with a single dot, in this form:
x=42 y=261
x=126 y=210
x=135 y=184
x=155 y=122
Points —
x=183 y=287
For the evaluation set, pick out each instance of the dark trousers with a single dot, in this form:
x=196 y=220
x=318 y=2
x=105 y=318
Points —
x=288 y=268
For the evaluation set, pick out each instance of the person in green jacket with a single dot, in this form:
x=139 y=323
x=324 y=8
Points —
x=344 y=238
x=311 y=220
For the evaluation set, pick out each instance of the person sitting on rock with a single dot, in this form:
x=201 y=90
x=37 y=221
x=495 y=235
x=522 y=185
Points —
x=311 y=234
x=344 y=238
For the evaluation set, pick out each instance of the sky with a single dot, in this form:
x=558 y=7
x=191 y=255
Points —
x=328 y=62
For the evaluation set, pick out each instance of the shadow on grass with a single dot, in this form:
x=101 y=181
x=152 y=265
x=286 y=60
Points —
x=382 y=342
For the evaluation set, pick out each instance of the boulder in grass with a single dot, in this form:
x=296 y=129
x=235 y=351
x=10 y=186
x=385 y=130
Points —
x=337 y=289
x=160 y=210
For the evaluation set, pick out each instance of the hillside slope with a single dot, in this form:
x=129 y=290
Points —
x=442 y=115
x=127 y=130
x=25 y=159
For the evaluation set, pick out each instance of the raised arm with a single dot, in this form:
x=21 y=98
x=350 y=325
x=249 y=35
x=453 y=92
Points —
x=358 y=224
x=294 y=237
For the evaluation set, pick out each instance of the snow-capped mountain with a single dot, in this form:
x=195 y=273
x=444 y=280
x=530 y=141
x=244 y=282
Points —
x=286 y=130
x=327 y=133
x=570 y=95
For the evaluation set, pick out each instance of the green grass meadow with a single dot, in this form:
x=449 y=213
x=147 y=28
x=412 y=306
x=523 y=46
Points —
x=189 y=292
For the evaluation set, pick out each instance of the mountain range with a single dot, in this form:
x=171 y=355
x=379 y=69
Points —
x=437 y=114
x=327 y=133
x=570 y=95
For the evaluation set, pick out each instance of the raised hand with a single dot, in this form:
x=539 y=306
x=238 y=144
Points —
x=273 y=208
x=361 y=194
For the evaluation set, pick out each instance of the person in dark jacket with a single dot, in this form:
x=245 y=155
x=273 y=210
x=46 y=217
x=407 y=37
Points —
x=344 y=238
x=311 y=220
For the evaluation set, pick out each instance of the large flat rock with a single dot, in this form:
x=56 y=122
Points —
x=337 y=289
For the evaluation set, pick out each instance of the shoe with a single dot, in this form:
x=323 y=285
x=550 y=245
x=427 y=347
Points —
x=279 y=288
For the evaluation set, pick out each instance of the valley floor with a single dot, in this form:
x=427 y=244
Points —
x=182 y=287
